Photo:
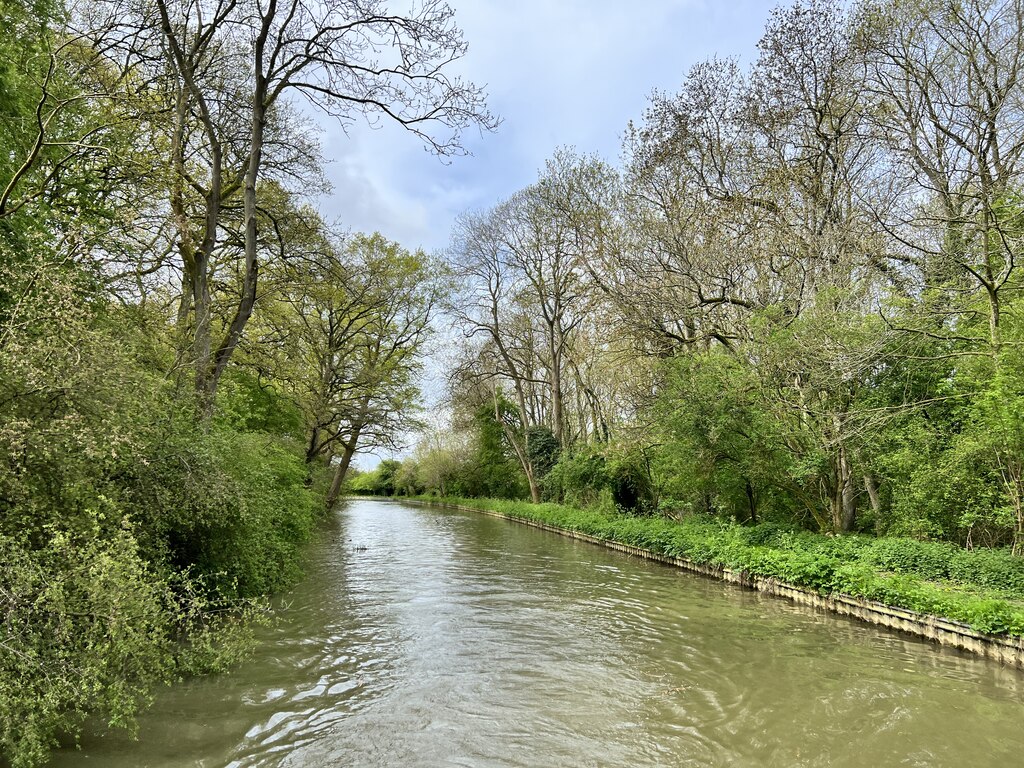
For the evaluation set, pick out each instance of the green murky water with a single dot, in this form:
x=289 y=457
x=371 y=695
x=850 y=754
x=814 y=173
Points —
x=427 y=638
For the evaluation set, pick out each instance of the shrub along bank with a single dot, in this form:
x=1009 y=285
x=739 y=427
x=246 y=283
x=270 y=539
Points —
x=983 y=589
x=136 y=545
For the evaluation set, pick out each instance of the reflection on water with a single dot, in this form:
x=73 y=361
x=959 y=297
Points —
x=427 y=638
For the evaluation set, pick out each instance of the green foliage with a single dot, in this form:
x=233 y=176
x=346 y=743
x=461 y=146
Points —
x=630 y=482
x=244 y=515
x=930 y=560
x=362 y=483
x=721 y=451
x=952 y=466
x=247 y=404
x=542 y=450
x=491 y=470
x=379 y=481
x=477 y=464
x=486 y=467
x=138 y=530
x=128 y=532
x=349 y=326
x=800 y=369
x=436 y=468
x=86 y=630
x=579 y=477
x=407 y=479
x=592 y=474
x=993 y=568
x=89 y=628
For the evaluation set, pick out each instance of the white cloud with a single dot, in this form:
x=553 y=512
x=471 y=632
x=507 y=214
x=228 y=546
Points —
x=566 y=72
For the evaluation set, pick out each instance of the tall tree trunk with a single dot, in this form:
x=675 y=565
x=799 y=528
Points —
x=184 y=64
x=313 y=448
x=349 y=448
x=186 y=242
x=751 y=501
x=247 y=300
x=340 y=471
x=557 y=405
x=534 y=488
x=201 y=342
x=876 y=502
x=844 y=507
x=520 y=450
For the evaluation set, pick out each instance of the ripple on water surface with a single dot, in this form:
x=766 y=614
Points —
x=427 y=638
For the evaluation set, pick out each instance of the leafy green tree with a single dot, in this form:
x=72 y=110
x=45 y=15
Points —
x=344 y=338
x=440 y=462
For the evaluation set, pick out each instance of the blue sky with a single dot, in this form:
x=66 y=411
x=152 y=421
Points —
x=558 y=73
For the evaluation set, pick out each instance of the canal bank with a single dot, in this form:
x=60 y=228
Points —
x=1004 y=648
x=442 y=638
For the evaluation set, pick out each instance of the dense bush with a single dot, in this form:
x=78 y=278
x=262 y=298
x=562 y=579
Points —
x=996 y=568
x=542 y=450
x=86 y=629
x=242 y=535
x=130 y=533
x=90 y=627
x=578 y=477
x=928 y=559
x=379 y=481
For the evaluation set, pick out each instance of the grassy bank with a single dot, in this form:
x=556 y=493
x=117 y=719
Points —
x=982 y=588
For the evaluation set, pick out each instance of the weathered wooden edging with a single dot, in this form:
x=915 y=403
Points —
x=1007 y=650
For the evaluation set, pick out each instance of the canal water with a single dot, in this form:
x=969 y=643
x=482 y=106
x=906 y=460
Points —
x=446 y=638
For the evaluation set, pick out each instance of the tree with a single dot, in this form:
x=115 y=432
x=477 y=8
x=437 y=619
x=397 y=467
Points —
x=239 y=62
x=438 y=459
x=945 y=80
x=699 y=209
x=350 y=326
x=526 y=298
